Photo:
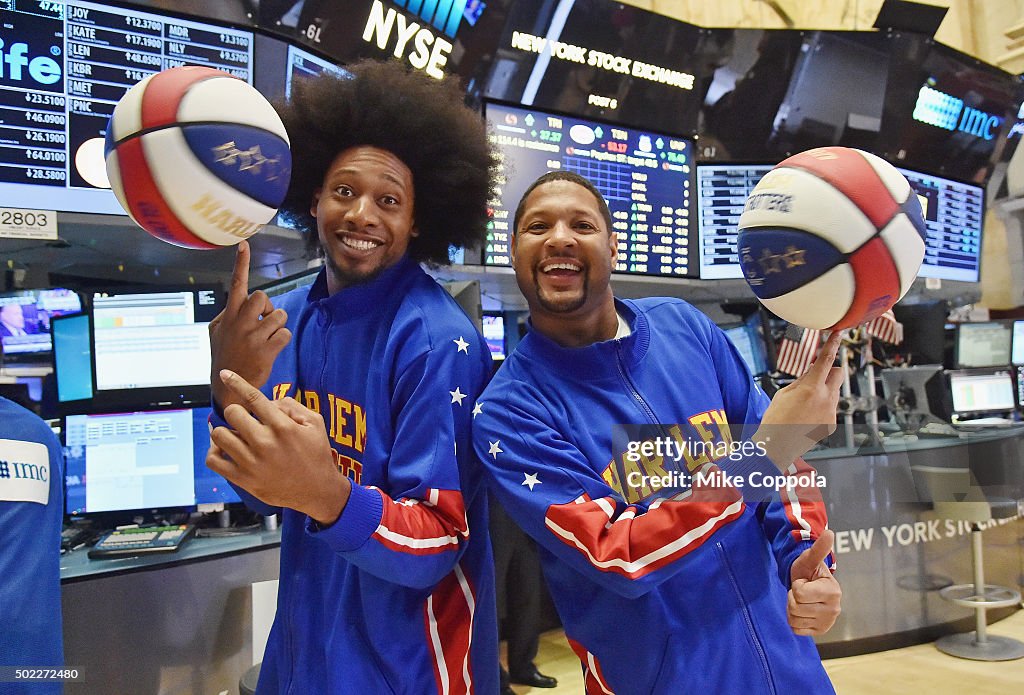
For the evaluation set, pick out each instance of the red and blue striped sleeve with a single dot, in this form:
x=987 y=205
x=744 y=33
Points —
x=553 y=492
x=414 y=532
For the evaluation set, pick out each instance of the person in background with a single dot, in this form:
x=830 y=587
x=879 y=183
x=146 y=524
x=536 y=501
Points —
x=31 y=512
x=348 y=404
x=520 y=593
x=705 y=586
x=12 y=320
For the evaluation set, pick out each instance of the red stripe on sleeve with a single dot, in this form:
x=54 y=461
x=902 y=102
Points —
x=803 y=504
x=448 y=620
x=593 y=679
x=636 y=544
x=423 y=527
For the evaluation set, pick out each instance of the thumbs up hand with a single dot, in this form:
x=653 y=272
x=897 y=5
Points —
x=814 y=597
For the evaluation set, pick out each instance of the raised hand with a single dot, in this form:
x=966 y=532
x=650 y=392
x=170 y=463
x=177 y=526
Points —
x=247 y=336
x=805 y=411
x=279 y=452
x=813 y=604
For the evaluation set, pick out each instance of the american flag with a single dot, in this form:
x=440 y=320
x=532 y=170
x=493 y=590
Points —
x=798 y=349
x=886 y=328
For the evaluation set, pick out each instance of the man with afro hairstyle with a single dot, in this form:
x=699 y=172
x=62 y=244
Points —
x=346 y=406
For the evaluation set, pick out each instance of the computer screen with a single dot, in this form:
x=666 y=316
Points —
x=987 y=391
x=494 y=334
x=722 y=191
x=953 y=215
x=984 y=344
x=750 y=344
x=1017 y=351
x=72 y=357
x=924 y=331
x=25 y=321
x=68 y=64
x=153 y=338
x=303 y=64
x=644 y=177
x=916 y=395
x=140 y=460
x=293 y=282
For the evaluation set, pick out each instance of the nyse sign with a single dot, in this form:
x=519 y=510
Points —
x=420 y=46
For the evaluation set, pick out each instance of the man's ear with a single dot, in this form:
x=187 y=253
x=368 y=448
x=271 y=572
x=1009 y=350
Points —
x=512 y=248
x=613 y=245
x=316 y=201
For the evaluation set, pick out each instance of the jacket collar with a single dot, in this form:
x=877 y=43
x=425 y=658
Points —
x=594 y=361
x=366 y=297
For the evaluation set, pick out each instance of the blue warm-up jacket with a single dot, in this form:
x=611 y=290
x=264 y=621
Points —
x=397 y=595
x=666 y=591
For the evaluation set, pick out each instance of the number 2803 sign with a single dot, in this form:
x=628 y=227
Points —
x=16 y=223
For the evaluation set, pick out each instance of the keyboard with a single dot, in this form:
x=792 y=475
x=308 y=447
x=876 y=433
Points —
x=73 y=537
x=142 y=541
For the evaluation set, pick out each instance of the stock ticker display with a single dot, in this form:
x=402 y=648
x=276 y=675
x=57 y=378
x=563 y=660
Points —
x=953 y=215
x=63 y=68
x=645 y=177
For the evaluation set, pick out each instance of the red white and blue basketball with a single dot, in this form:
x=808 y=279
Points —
x=831 y=238
x=197 y=157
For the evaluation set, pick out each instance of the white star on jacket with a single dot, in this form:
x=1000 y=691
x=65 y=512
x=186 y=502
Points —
x=477 y=409
x=495 y=449
x=457 y=395
x=530 y=479
x=461 y=345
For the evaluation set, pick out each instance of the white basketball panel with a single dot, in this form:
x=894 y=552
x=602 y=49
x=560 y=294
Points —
x=809 y=204
x=906 y=248
x=201 y=201
x=127 y=117
x=896 y=182
x=228 y=100
x=820 y=303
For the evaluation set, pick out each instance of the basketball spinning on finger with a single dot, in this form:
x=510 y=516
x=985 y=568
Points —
x=831 y=238
x=197 y=157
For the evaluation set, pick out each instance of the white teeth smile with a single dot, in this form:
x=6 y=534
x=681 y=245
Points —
x=360 y=244
x=562 y=266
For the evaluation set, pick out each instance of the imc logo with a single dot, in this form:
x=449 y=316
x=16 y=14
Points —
x=15 y=62
x=424 y=50
x=944 y=111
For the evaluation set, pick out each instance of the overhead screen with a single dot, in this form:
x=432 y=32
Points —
x=65 y=67
x=602 y=60
x=303 y=64
x=644 y=176
x=946 y=112
x=954 y=212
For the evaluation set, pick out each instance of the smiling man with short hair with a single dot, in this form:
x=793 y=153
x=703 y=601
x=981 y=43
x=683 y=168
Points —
x=703 y=588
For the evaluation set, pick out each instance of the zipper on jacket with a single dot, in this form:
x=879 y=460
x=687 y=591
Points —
x=746 y=617
x=631 y=387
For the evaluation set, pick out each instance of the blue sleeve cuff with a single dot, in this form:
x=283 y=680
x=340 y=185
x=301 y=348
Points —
x=359 y=519
x=786 y=558
x=217 y=419
x=752 y=470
